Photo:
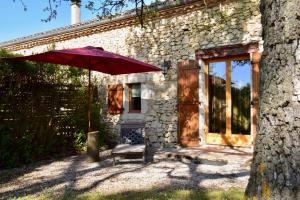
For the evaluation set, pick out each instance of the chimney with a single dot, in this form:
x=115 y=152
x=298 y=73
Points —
x=75 y=11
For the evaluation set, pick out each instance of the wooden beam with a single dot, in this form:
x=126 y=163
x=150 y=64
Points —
x=228 y=97
x=206 y=130
x=256 y=57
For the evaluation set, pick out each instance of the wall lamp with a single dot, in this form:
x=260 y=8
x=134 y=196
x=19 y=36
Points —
x=165 y=66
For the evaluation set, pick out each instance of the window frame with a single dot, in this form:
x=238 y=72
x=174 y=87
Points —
x=228 y=138
x=130 y=110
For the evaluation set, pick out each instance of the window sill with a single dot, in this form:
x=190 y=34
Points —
x=134 y=111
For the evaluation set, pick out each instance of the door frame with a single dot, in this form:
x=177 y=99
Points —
x=248 y=51
x=228 y=138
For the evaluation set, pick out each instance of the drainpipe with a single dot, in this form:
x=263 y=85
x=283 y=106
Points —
x=75 y=11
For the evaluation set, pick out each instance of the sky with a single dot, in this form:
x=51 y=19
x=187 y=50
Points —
x=240 y=74
x=15 y=22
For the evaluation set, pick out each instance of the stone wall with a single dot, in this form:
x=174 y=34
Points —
x=275 y=172
x=174 y=39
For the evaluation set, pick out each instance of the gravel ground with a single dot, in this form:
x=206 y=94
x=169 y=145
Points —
x=75 y=174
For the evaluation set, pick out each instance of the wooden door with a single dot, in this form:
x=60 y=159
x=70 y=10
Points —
x=229 y=101
x=188 y=103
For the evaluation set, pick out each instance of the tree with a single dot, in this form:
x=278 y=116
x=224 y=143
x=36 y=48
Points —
x=101 y=8
x=275 y=171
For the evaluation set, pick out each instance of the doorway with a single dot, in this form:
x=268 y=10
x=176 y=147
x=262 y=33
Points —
x=228 y=101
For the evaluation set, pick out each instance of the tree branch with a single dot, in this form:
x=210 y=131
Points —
x=22 y=3
x=102 y=8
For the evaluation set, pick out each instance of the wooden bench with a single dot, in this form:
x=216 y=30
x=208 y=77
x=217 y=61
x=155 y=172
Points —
x=131 y=142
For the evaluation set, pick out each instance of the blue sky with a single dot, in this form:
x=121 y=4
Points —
x=240 y=75
x=15 y=22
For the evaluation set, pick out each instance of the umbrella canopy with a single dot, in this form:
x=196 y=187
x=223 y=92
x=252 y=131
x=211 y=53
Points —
x=91 y=58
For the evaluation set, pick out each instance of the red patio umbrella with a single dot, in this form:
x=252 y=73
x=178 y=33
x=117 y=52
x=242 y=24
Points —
x=91 y=58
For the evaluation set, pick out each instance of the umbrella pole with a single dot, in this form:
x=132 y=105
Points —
x=89 y=103
x=92 y=137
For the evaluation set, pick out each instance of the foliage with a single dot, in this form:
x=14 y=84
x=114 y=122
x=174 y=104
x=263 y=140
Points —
x=79 y=140
x=43 y=111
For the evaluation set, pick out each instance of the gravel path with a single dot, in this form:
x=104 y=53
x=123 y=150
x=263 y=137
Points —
x=73 y=173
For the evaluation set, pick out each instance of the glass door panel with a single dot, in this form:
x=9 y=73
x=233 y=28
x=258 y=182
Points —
x=241 y=97
x=217 y=97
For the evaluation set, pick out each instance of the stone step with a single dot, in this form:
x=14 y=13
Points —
x=197 y=159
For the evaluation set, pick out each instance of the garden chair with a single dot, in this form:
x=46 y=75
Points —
x=131 y=142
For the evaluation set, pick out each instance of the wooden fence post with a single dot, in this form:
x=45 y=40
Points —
x=93 y=146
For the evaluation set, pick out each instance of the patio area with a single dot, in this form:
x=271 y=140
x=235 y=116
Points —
x=207 y=154
x=202 y=167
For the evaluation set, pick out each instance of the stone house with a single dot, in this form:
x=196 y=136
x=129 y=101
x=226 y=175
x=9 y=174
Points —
x=208 y=92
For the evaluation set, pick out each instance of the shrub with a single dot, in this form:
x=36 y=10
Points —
x=43 y=111
x=79 y=140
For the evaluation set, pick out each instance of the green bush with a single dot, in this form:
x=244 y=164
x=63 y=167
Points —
x=43 y=111
x=79 y=140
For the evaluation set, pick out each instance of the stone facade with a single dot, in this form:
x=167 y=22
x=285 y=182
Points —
x=172 y=38
x=275 y=172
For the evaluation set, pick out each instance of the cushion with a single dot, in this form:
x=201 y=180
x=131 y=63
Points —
x=132 y=136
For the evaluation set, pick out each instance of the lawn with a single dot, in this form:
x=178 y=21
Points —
x=174 y=194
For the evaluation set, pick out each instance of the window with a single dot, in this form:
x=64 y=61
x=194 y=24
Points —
x=134 y=97
x=217 y=97
x=229 y=96
x=241 y=97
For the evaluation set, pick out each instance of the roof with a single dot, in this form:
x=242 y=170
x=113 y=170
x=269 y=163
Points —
x=164 y=10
